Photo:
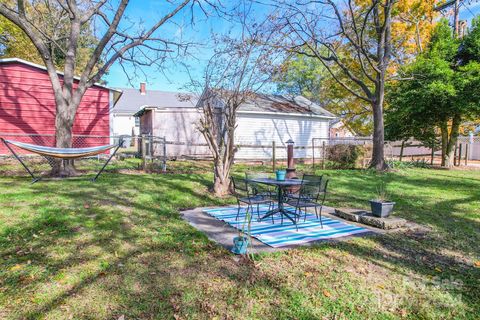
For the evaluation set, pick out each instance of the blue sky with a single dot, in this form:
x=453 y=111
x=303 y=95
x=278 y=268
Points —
x=174 y=76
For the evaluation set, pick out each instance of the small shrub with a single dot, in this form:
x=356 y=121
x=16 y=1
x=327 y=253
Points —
x=344 y=156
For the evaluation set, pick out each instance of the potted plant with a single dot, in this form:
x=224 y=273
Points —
x=381 y=206
x=243 y=240
x=280 y=175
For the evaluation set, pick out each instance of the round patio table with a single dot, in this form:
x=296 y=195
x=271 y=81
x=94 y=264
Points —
x=281 y=185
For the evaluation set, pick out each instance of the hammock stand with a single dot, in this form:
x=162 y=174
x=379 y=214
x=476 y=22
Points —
x=61 y=153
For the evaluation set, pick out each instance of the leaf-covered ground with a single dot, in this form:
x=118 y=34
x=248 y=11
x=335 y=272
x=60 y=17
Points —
x=118 y=247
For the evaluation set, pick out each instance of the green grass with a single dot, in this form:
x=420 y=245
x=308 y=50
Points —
x=82 y=250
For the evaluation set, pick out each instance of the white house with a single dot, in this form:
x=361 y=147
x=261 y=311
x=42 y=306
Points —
x=339 y=130
x=260 y=121
x=124 y=121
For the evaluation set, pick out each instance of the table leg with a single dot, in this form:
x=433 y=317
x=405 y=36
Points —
x=280 y=209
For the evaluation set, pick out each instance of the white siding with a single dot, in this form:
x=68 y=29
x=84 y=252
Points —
x=263 y=129
x=123 y=125
x=475 y=151
x=252 y=129
x=180 y=127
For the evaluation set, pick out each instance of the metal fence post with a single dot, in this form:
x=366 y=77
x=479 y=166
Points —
x=164 y=164
x=144 y=152
x=401 y=150
x=433 y=153
x=273 y=156
x=466 y=154
x=323 y=154
x=459 y=154
x=150 y=148
x=313 y=154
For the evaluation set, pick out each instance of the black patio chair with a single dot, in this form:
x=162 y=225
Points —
x=265 y=191
x=312 y=194
x=246 y=194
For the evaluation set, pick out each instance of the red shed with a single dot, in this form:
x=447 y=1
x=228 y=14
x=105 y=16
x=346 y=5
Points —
x=27 y=107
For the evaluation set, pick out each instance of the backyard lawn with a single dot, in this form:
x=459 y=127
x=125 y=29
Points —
x=73 y=249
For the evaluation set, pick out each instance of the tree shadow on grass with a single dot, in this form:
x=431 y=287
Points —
x=156 y=264
x=91 y=215
x=448 y=207
x=413 y=259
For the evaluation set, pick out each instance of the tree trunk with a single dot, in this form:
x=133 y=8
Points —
x=452 y=141
x=444 y=133
x=378 y=154
x=65 y=116
x=221 y=178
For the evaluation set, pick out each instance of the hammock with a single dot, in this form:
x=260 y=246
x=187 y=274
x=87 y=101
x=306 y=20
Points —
x=61 y=153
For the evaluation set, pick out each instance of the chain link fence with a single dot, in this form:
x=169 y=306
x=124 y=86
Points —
x=467 y=149
x=156 y=154
x=135 y=153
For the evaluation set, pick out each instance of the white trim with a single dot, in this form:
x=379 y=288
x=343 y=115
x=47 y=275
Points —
x=123 y=114
x=31 y=64
x=110 y=116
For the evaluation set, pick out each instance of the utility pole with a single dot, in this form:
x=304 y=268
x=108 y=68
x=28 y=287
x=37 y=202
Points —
x=456 y=12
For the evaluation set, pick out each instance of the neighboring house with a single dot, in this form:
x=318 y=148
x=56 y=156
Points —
x=124 y=122
x=339 y=130
x=27 y=107
x=260 y=121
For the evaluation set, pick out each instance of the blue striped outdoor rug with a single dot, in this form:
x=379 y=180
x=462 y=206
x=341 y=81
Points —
x=278 y=235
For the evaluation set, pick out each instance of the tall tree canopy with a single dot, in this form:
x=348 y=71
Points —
x=14 y=43
x=439 y=90
x=411 y=25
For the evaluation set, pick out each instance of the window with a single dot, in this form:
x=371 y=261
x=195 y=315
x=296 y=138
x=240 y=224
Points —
x=137 y=122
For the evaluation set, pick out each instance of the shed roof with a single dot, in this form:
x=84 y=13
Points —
x=257 y=103
x=284 y=104
x=133 y=100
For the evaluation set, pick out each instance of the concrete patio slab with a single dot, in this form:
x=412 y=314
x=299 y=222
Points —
x=223 y=234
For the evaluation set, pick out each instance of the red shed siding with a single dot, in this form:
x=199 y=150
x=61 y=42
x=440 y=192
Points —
x=27 y=106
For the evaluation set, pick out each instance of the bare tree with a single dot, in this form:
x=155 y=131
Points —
x=120 y=40
x=234 y=75
x=353 y=42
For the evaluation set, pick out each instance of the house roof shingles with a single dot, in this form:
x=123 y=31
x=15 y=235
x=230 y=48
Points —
x=132 y=100
x=282 y=104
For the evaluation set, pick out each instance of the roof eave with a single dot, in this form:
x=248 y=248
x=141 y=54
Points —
x=142 y=110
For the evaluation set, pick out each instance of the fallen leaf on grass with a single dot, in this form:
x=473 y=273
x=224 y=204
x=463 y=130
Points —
x=477 y=264
x=16 y=267
x=438 y=269
x=403 y=313
x=326 y=293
